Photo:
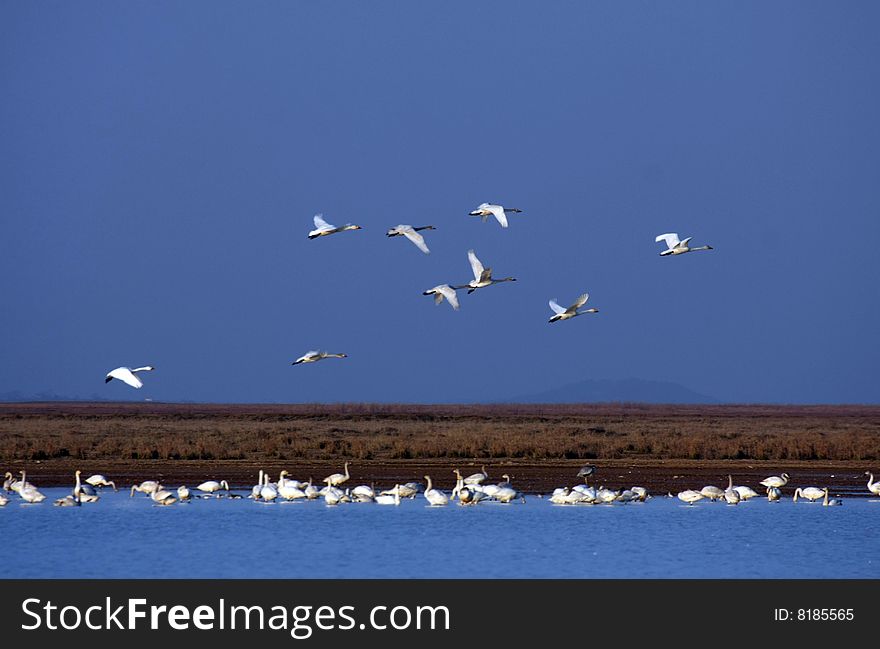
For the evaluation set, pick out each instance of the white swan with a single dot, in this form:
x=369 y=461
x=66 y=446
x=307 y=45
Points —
x=255 y=490
x=389 y=499
x=334 y=496
x=146 y=487
x=745 y=493
x=311 y=491
x=832 y=502
x=363 y=494
x=163 y=497
x=775 y=481
x=712 y=492
x=11 y=484
x=485 y=210
x=84 y=493
x=443 y=290
x=435 y=497
x=572 y=311
x=29 y=492
x=412 y=234
x=676 y=247
x=476 y=478
x=640 y=492
x=70 y=500
x=128 y=375
x=315 y=356
x=337 y=479
x=690 y=496
x=289 y=491
x=482 y=276
x=98 y=480
x=322 y=228
x=268 y=492
x=873 y=487
x=774 y=494
x=810 y=493
x=183 y=493
x=211 y=486
x=3 y=500
x=731 y=495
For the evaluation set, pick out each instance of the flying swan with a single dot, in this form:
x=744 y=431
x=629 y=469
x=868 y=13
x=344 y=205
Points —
x=676 y=247
x=485 y=210
x=322 y=228
x=412 y=234
x=572 y=311
x=128 y=375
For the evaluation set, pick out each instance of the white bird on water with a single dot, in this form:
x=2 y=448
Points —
x=873 y=487
x=482 y=276
x=833 y=501
x=213 y=485
x=322 y=228
x=572 y=311
x=674 y=246
x=128 y=375
x=776 y=481
x=441 y=291
x=435 y=497
x=810 y=493
x=485 y=210
x=315 y=356
x=336 y=479
x=412 y=234
x=98 y=480
x=690 y=496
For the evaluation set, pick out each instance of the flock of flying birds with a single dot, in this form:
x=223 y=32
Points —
x=482 y=277
x=469 y=490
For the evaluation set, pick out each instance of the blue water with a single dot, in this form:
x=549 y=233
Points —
x=120 y=537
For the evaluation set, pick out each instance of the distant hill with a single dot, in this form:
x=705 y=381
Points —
x=16 y=396
x=625 y=390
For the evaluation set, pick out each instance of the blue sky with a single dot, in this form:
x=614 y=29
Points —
x=161 y=163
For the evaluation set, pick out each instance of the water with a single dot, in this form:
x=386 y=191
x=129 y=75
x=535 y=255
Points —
x=120 y=537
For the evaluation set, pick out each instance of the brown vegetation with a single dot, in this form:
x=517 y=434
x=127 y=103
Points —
x=661 y=447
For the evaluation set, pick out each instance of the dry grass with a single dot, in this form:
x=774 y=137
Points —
x=380 y=432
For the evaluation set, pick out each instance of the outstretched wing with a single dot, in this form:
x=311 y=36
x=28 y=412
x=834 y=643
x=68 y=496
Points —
x=410 y=233
x=124 y=374
x=671 y=239
x=684 y=243
x=498 y=211
x=449 y=293
x=578 y=303
x=321 y=224
x=476 y=266
x=556 y=308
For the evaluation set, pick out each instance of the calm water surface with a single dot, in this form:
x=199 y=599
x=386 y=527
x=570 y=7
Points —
x=121 y=537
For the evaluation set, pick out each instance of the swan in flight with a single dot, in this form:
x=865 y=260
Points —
x=810 y=493
x=337 y=479
x=315 y=356
x=676 y=247
x=775 y=481
x=212 y=485
x=485 y=210
x=98 y=480
x=412 y=234
x=322 y=228
x=482 y=276
x=128 y=375
x=833 y=501
x=441 y=291
x=873 y=487
x=572 y=311
x=435 y=497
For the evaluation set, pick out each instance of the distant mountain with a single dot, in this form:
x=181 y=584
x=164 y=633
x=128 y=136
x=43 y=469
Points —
x=16 y=396
x=625 y=390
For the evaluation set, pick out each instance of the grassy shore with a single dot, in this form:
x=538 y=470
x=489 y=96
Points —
x=543 y=445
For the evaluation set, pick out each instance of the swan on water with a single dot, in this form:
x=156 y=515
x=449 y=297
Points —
x=873 y=487
x=832 y=502
x=435 y=497
x=810 y=493
x=211 y=486
x=690 y=496
x=98 y=480
x=337 y=479
x=775 y=481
